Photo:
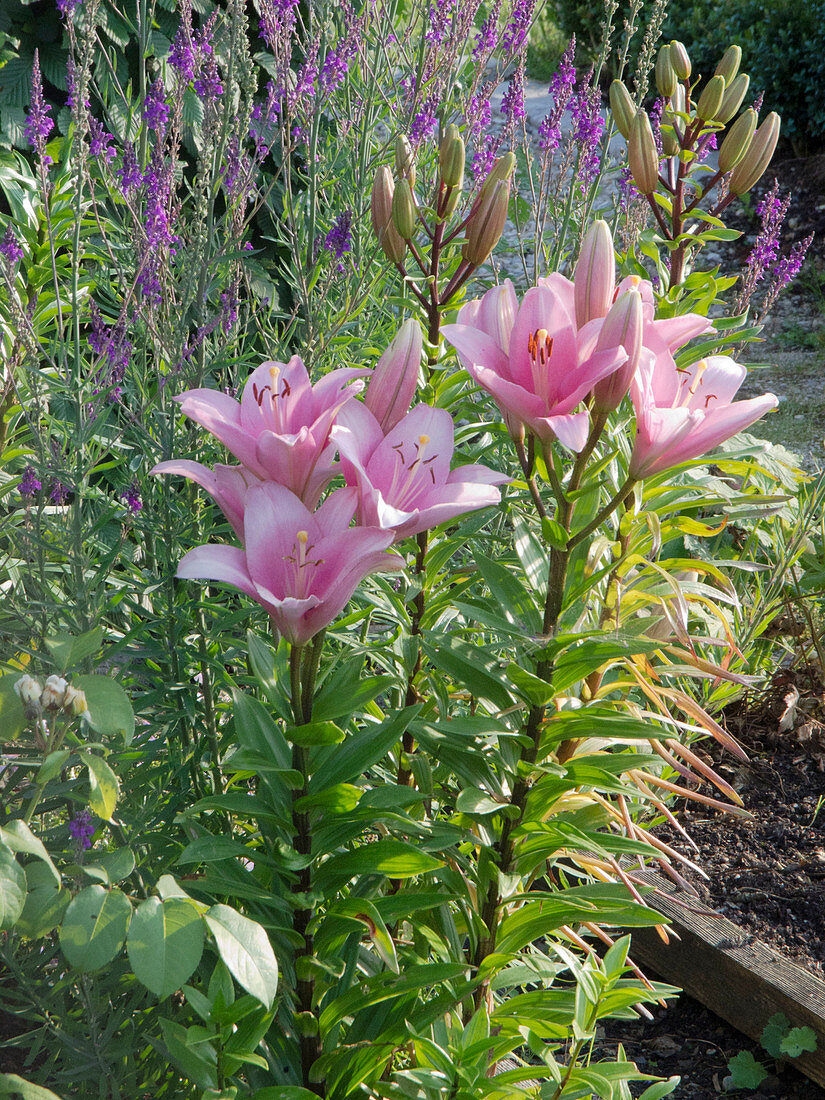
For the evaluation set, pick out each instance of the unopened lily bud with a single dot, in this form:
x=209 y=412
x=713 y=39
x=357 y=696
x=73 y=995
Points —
x=711 y=99
x=53 y=693
x=622 y=107
x=670 y=143
x=594 y=279
x=665 y=73
x=392 y=385
x=29 y=691
x=403 y=210
x=735 y=93
x=383 y=189
x=487 y=222
x=728 y=67
x=404 y=159
x=502 y=170
x=677 y=100
x=74 y=701
x=680 y=61
x=622 y=327
x=642 y=154
x=737 y=140
x=451 y=157
x=758 y=156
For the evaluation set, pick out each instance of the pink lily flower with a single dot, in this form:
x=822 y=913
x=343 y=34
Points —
x=684 y=413
x=533 y=359
x=280 y=428
x=301 y=566
x=226 y=484
x=404 y=480
x=394 y=380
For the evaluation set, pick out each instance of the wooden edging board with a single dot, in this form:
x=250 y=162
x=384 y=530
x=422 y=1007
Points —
x=730 y=972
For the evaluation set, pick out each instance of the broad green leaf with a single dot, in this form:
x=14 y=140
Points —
x=798 y=1040
x=346 y=691
x=511 y=597
x=165 y=943
x=19 y=838
x=315 y=733
x=745 y=1072
x=530 y=687
x=245 y=949
x=385 y=986
x=95 y=927
x=366 y=913
x=393 y=858
x=68 y=650
x=474 y=801
x=12 y=888
x=12 y=714
x=103 y=785
x=14 y=1086
x=660 y=1089
x=111 y=867
x=774 y=1032
x=110 y=713
x=45 y=905
x=339 y=799
x=52 y=766
x=207 y=849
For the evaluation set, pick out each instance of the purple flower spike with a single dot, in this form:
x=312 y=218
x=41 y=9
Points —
x=38 y=123
x=155 y=107
x=100 y=141
x=81 y=830
x=339 y=239
x=30 y=484
x=10 y=247
x=67 y=8
x=132 y=499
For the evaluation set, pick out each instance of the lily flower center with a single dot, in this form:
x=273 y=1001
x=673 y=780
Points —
x=405 y=485
x=540 y=349
x=695 y=385
x=302 y=565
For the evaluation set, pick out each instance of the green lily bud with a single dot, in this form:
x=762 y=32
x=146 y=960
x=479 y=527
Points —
x=677 y=100
x=502 y=170
x=404 y=159
x=670 y=143
x=451 y=158
x=680 y=61
x=622 y=107
x=642 y=154
x=403 y=210
x=732 y=99
x=737 y=140
x=665 y=73
x=728 y=67
x=487 y=221
x=383 y=189
x=711 y=99
x=758 y=156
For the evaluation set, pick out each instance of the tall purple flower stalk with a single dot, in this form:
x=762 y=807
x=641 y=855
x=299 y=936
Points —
x=512 y=103
x=588 y=127
x=515 y=33
x=38 y=121
x=561 y=89
x=10 y=247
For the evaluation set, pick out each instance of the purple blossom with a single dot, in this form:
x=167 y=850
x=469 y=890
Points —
x=772 y=210
x=38 y=123
x=424 y=123
x=561 y=89
x=789 y=266
x=441 y=21
x=706 y=145
x=100 y=141
x=129 y=173
x=229 y=310
x=67 y=8
x=81 y=830
x=339 y=239
x=58 y=493
x=512 y=103
x=236 y=167
x=487 y=34
x=30 y=484
x=518 y=27
x=131 y=498
x=209 y=86
x=588 y=126
x=278 y=18
x=656 y=125
x=627 y=189
x=10 y=247
x=182 y=54
x=112 y=346
x=155 y=107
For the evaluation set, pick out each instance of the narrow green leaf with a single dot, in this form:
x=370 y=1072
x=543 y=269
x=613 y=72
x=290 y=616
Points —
x=245 y=949
x=103 y=785
x=393 y=858
x=361 y=750
x=315 y=733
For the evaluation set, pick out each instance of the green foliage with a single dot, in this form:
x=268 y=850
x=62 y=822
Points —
x=783 y=49
x=745 y=1072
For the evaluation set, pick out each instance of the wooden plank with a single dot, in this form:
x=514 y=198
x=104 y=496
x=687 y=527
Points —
x=730 y=972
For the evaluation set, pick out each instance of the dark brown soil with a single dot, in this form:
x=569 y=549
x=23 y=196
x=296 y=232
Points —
x=766 y=874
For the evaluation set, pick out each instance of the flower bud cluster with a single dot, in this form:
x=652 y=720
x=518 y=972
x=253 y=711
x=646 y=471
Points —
x=56 y=696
